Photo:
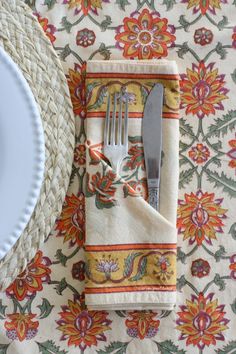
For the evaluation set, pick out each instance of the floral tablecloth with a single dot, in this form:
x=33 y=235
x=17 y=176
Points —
x=43 y=311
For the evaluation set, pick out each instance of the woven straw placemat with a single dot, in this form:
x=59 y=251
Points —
x=23 y=39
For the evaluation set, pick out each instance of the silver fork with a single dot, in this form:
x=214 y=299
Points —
x=116 y=133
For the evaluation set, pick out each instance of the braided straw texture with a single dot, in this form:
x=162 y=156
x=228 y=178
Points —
x=23 y=39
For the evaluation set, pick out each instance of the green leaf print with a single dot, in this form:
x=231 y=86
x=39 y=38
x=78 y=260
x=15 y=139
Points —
x=45 y=308
x=222 y=125
x=105 y=23
x=232 y=231
x=66 y=24
x=122 y=4
x=185 y=128
x=168 y=347
x=221 y=51
x=219 y=282
x=185 y=177
x=114 y=347
x=233 y=306
x=233 y=76
x=169 y=4
x=227 y=349
x=3 y=348
x=141 y=270
x=223 y=23
x=2 y=310
x=222 y=181
x=50 y=3
x=129 y=260
x=183 y=22
x=49 y=347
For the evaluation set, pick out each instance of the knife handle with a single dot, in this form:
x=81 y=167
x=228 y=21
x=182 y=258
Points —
x=153 y=197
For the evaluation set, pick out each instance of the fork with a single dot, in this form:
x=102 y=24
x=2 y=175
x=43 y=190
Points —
x=116 y=133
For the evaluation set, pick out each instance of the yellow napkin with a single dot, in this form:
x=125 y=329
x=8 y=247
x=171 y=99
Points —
x=130 y=247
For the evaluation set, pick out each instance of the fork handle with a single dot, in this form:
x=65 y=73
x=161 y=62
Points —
x=153 y=197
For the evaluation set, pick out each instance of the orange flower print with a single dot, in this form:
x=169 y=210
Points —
x=21 y=326
x=204 y=5
x=200 y=217
x=80 y=327
x=203 y=36
x=199 y=153
x=232 y=266
x=85 y=38
x=31 y=279
x=71 y=224
x=48 y=29
x=76 y=83
x=202 y=90
x=145 y=36
x=85 y=6
x=163 y=273
x=80 y=154
x=232 y=153
x=135 y=158
x=78 y=271
x=200 y=268
x=102 y=187
x=142 y=324
x=201 y=321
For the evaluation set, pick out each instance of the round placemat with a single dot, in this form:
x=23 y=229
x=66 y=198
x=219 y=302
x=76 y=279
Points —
x=23 y=39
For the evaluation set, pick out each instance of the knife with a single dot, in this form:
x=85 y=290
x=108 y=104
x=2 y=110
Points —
x=152 y=142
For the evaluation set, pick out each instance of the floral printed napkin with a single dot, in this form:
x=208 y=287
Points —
x=130 y=247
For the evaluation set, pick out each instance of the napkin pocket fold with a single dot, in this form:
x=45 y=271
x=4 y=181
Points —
x=130 y=247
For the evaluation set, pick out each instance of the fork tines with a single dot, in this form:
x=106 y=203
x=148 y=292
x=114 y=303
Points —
x=115 y=133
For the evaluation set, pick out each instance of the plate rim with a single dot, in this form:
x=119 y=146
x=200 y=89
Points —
x=42 y=69
x=39 y=168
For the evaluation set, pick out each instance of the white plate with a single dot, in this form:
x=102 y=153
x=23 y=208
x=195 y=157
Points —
x=22 y=153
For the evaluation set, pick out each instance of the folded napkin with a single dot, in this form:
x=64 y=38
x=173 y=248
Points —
x=130 y=247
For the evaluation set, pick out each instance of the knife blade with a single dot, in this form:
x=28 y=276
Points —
x=152 y=142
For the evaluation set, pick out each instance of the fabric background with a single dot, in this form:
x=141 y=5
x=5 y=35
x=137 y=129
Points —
x=43 y=310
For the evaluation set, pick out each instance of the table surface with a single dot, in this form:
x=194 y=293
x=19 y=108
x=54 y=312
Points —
x=43 y=310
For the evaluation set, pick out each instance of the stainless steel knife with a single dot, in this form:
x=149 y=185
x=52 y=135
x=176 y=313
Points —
x=152 y=142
